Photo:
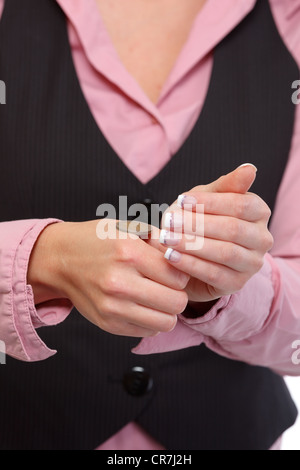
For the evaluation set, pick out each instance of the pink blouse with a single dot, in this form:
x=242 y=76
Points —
x=257 y=325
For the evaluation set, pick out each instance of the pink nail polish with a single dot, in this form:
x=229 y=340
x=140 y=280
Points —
x=172 y=255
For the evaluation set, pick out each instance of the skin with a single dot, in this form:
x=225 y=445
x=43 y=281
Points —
x=148 y=36
x=127 y=287
x=236 y=237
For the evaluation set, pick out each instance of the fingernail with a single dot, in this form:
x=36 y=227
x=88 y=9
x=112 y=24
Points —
x=169 y=238
x=173 y=220
x=184 y=200
x=248 y=164
x=172 y=255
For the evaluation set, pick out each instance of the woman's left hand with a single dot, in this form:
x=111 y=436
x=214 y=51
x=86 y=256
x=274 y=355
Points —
x=218 y=234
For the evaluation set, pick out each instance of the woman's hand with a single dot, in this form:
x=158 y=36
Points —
x=124 y=286
x=230 y=242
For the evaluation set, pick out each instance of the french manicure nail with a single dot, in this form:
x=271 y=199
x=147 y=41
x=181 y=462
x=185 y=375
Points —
x=168 y=222
x=172 y=255
x=248 y=164
x=173 y=220
x=183 y=200
x=169 y=238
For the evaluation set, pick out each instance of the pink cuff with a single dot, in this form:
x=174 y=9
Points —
x=241 y=315
x=232 y=319
x=18 y=314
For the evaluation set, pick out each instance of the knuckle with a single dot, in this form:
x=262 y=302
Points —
x=238 y=285
x=229 y=253
x=106 y=307
x=258 y=263
x=266 y=212
x=213 y=276
x=234 y=229
x=111 y=283
x=125 y=252
x=271 y=241
x=243 y=205
x=268 y=241
x=263 y=210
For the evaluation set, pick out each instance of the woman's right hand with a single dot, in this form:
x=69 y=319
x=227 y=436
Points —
x=124 y=286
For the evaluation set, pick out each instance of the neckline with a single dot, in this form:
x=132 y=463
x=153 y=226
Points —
x=177 y=155
x=206 y=32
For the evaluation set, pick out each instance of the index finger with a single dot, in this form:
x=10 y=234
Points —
x=248 y=207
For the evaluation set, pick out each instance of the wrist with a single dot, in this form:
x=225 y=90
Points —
x=44 y=272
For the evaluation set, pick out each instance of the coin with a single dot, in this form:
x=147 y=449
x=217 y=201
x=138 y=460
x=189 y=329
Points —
x=140 y=229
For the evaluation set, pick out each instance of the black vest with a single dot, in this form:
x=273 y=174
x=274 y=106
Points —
x=56 y=163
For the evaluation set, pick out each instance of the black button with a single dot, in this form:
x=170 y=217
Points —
x=137 y=382
x=147 y=202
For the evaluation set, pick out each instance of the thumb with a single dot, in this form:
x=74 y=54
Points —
x=238 y=181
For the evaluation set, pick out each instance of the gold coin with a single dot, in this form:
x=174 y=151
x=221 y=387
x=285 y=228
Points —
x=140 y=229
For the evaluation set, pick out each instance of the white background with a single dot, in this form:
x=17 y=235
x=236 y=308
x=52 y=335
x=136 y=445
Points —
x=291 y=439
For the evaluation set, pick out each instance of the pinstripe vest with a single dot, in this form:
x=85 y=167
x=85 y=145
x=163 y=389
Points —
x=56 y=163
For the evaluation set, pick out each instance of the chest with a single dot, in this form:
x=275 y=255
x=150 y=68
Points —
x=61 y=166
x=149 y=36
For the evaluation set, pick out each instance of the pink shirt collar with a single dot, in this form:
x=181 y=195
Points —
x=212 y=24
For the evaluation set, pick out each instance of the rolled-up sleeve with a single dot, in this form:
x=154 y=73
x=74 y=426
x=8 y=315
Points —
x=19 y=317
